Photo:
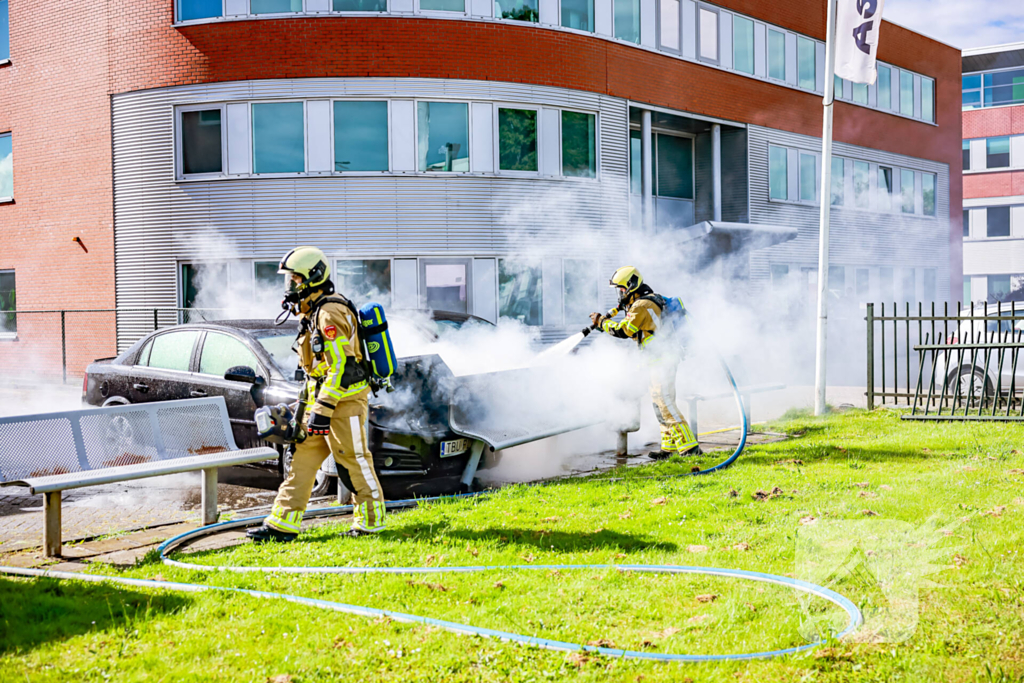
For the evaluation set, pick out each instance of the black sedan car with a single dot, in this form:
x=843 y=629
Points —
x=414 y=448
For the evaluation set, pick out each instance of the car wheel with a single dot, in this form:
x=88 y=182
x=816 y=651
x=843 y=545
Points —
x=980 y=384
x=116 y=401
x=322 y=483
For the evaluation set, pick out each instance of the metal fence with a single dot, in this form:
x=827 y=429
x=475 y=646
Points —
x=945 y=358
x=57 y=345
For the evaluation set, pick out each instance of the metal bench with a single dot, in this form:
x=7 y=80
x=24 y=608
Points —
x=51 y=452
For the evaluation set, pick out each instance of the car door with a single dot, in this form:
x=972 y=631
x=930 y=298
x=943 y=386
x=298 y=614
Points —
x=162 y=371
x=218 y=353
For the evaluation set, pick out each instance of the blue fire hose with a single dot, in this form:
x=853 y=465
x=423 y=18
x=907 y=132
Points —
x=853 y=614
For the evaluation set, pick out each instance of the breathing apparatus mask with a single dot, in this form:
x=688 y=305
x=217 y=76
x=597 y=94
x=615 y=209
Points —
x=305 y=272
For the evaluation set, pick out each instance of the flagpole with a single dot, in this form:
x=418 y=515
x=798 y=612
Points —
x=825 y=202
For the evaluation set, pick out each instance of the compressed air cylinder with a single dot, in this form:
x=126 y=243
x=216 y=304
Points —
x=374 y=333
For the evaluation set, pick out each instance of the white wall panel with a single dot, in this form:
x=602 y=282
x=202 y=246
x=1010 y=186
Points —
x=725 y=39
x=979 y=155
x=239 y=143
x=760 y=50
x=550 y=140
x=819 y=67
x=1017 y=221
x=485 y=289
x=318 y=136
x=482 y=8
x=402 y=5
x=873 y=94
x=403 y=135
x=406 y=292
x=689 y=29
x=603 y=17
x=236 y=7
x=979 y=223
x=549 y=12
x=481 y=145
x=318 y=5
x=1017 y=151
x=791 y=66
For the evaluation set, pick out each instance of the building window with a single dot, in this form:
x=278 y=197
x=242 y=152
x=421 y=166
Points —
x=971 y=86
x=806 y=67
x=743 y=44
x=278 y=138
x=517 y=139
x=5 y=31
x=906 y=93
x=884 y=188
x=268 y=280
x=580 y=280
x=861 y=185
x=360 y=136
x=635 y=162
x=274 y=6
x=928 y=99
x=997 y=152
x=668 y=25
x=519 y=10
x=1004 y=87
x=578 y=14
x=863 y=284
x=998 y=288
x=707 y=25
x=909 y=284
x=885 y=284
x=967 y=223
x=359 y=5
x=884 y=87
x=808 y=177
x=443 y=284
x=6 y=167
x=860 y=93
x=776 y=55
x=778 y=173
x=928 y=193
x=520 y=290
x=779 y=274
x=998 y=221
x=579 y=144
x=967 y=289
x=8 y=305
x=443 y=136
x=364 y=280
x=838 y=181
x=907 y=190
x=201 y=142
x=967 y=155
x=189 y=10
x=627 y=20
x=837 y=85
x=929 y=284
x=443 y=5
x=837 y=281
x=203 y=284
x=675 y=166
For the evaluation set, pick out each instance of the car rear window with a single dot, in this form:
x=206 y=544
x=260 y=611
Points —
x=171 y=351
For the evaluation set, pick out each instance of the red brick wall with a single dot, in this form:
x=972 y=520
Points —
x=54 y=100
x=998 y=184
x=987 y=123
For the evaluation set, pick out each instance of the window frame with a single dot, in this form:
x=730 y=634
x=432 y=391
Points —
x=814 y=77
x=935 y=194
x=768 y=55
x=469 y=135
x=179 y=138
x=421 y=278
x=497 y=138
x=593 y=20
x=989 y=154
x=248 y=5
x=786 y=175
x=597 y=146
x=6 y=59
x=678 y=50
x=391 y=270
x=904 y=194
x=639 y=37
x=801 y=153
x=532 y=264
x=699 y=32
x=305 y=138
x=597 y=271
x=883 y=104
x=334 y=162
x=736 y=18
x=853 y=178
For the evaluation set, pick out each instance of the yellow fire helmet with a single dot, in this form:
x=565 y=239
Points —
x=627 y=277
x=307 y=262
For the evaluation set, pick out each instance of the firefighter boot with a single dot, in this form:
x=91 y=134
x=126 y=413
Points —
x=264 y=533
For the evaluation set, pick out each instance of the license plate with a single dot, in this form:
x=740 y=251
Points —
x=456 y=447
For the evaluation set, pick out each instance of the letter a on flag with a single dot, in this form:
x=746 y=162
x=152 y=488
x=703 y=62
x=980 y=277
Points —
x=858 y=23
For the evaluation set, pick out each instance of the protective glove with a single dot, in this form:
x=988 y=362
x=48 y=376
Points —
x=319 y=424
x=595 y=320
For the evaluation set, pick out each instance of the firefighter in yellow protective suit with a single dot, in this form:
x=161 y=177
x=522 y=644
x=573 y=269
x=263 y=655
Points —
x=643 y=311
x=336 y=398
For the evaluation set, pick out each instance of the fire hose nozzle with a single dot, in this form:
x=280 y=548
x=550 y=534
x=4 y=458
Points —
x=586 y=330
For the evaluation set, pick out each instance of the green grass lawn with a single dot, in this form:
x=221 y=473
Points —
x=958 y=488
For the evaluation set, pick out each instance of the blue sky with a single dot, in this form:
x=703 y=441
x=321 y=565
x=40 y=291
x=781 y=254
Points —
x=962 y=23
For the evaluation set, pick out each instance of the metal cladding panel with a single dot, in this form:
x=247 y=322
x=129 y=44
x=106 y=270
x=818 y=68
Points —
x=856 y=237
x=161 y=222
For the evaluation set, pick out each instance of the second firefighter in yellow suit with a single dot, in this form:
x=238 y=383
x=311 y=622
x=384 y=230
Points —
x=641 y=323
x=337 y=402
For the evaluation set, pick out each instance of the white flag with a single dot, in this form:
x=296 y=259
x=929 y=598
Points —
x=858 y=23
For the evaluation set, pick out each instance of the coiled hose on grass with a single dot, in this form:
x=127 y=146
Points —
x=853 y=613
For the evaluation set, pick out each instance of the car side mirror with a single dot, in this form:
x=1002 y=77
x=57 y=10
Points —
x=241 y=373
